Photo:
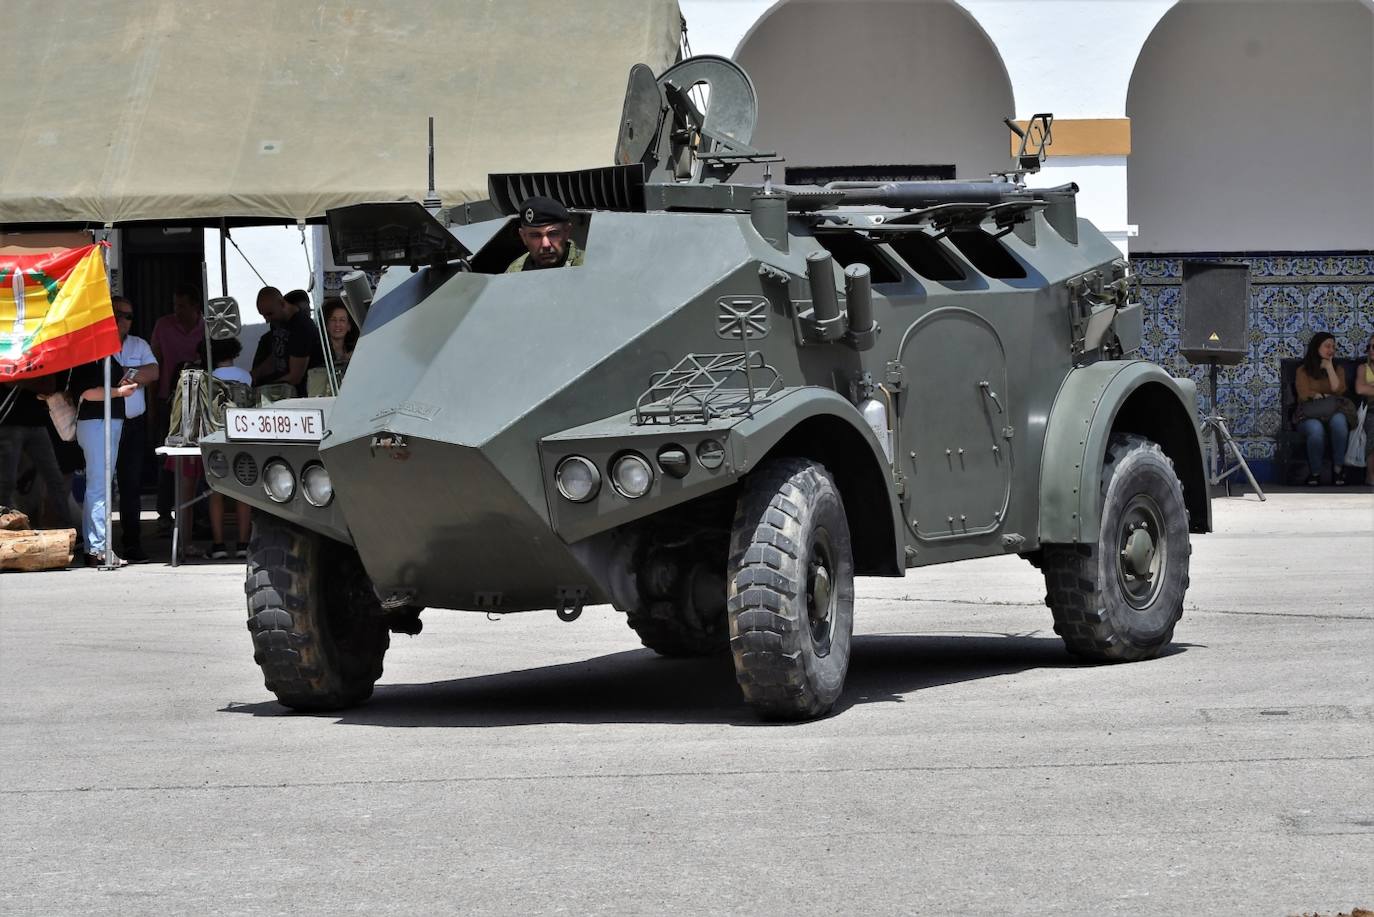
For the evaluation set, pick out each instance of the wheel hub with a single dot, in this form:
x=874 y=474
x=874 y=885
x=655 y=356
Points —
x=1141 y=558
x=819 y=588
x=820 y=593
x=1139 y=553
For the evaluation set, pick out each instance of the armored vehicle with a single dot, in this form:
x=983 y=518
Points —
x=746 y=395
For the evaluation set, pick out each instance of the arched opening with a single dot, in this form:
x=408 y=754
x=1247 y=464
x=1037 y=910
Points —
x=871 y=83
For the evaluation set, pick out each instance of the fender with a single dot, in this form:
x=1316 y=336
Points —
x=805 y=421
x=1091 y=405
x=821 y=424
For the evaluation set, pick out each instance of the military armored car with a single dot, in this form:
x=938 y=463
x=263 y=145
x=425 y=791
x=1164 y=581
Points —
x=746 y=395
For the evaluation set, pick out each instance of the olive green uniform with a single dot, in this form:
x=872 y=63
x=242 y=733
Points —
x=525 y=263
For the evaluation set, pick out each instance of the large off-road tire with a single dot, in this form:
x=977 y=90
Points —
x=1119 y=600
x=318 y=633
x=790 y=594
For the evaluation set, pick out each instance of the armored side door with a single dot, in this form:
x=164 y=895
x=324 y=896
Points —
x=955 y=425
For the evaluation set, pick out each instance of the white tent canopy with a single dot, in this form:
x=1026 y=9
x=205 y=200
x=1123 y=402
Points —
x=263 y=110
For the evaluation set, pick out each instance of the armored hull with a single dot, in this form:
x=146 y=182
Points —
x=741 y=398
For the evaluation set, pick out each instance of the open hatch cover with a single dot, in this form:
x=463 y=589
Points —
x=373 y=236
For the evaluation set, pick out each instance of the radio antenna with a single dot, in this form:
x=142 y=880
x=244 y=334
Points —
x=432 y=202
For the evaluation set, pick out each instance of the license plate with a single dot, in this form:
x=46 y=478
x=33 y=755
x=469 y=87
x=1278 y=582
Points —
x=297 y=425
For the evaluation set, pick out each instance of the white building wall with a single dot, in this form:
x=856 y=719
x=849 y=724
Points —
x=1253 y=129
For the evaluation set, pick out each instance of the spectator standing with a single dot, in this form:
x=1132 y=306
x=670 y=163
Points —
x=177 y=338
x=342 y=334
x=88 y=388
x=294 y=344
x=136 y=355
x=24 y=431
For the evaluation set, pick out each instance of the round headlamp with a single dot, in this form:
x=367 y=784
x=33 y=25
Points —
x=631 y=475
x=316 y=486
x=279 y=481
x=216 y=463
x=577 y=479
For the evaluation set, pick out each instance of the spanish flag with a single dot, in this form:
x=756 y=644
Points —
x=55 y=312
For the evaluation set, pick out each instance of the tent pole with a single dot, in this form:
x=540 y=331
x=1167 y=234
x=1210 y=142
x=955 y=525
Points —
x=223 y=259
x=108 y=563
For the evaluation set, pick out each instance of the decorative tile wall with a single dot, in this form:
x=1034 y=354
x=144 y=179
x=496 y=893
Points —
x=1292 y=296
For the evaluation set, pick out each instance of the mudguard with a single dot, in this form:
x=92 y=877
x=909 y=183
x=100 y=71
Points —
x=804 y=421
x=816 y=422
x=1083 y=417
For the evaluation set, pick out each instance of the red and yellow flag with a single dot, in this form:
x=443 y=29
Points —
x=55 y=312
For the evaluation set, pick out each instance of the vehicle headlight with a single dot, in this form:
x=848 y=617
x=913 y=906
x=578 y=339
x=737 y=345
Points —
x=279 y=481
x=631 y=475
x=577 y=479
x=216 y=463
x=316 y=486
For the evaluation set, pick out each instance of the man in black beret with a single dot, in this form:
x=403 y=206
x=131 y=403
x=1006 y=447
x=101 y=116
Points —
x=546 y=231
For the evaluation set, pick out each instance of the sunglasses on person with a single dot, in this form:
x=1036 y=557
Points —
x=123 y=315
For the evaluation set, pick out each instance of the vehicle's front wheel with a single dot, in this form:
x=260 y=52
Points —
x=1119 y=600
x=318 y=632
x=790 y=595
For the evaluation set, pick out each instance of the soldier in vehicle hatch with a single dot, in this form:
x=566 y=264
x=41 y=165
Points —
x=546 y=230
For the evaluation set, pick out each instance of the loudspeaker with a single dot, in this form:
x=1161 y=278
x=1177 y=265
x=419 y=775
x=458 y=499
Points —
x=1216 y=312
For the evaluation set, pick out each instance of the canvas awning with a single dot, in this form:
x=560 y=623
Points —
x=260 y=110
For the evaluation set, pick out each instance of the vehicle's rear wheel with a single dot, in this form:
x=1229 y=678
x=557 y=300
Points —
x=790 y=596
x=318 y=632
x=1119 y=600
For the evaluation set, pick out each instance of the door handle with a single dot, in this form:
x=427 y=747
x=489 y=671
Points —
x=987 y=390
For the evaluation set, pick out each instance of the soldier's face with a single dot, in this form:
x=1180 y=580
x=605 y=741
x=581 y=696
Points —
x=546 y=244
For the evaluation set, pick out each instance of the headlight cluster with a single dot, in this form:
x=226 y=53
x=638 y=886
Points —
x=279 y=479
x=632 y=475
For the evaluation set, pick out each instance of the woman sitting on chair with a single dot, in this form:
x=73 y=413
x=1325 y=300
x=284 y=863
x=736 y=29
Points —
x=1364 y=386
x=1318 y=378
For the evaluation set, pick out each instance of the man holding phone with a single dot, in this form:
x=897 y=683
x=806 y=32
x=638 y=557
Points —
x=131 y=370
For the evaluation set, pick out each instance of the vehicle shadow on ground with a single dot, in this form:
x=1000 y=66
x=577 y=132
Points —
x=638 y=686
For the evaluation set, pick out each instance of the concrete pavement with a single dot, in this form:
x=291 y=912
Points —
x=524 y=765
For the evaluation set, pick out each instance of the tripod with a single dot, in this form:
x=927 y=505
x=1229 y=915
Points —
x=1222 y=442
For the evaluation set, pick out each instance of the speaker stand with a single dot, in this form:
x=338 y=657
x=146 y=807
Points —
x=1222 y=442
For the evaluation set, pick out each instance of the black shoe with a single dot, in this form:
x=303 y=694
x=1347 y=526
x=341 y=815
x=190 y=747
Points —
x=218 y=551
x=134 y=555
x=98 y=560
x=241 y=550
x=1313 y=481
x=1338 y=479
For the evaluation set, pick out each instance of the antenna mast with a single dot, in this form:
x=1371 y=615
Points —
x=432 y=202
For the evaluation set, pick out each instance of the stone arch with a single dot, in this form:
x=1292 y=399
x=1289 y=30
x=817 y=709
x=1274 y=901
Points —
x=879 y=82
x=1251 y=125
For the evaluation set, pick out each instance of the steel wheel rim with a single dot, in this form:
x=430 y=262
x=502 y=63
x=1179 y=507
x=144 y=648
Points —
x=1141 y=555
x=821 y=596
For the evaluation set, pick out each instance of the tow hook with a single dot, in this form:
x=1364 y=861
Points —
x=570 y=601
